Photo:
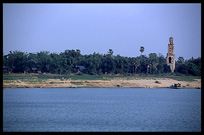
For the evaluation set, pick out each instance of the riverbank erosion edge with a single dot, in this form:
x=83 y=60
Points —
x=112 y=83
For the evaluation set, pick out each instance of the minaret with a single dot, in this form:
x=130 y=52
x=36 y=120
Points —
x=170 y=59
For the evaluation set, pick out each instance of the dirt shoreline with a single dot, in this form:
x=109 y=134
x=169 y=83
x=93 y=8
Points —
x=113 y=83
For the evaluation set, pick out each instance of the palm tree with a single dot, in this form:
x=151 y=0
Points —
x=141 y=49
x=110 y=52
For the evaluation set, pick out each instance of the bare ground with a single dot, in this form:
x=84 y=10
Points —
x=133 y=83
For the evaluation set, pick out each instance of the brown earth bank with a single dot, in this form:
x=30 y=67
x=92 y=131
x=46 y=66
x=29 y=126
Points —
x=112 y=83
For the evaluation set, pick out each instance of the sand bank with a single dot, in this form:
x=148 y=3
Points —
x=134 y=83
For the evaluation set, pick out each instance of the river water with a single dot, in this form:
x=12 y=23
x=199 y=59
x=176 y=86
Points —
x=101 y=109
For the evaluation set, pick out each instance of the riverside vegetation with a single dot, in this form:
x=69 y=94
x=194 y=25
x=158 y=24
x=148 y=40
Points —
x=72 y=69
x=73 y=62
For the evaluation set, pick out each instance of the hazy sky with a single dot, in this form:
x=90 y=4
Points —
x=99 y=27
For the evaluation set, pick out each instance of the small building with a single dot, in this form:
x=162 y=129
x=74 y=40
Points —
x=34 y=70
x=80 y=68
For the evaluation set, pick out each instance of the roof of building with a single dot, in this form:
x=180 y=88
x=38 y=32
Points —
x=80 y=67
x=34 y=68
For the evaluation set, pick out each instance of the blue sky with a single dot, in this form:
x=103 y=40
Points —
x=100 y=27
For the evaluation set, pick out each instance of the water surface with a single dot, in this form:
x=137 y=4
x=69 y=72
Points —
x=101 y=109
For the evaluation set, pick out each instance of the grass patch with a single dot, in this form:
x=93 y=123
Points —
x=185 y=78
x=18 y=77
x=174 y=77
x=77 y=83
x=42 y=78
x=45 y=77
x=18 y=82
x=9 y=81
x=89 y=85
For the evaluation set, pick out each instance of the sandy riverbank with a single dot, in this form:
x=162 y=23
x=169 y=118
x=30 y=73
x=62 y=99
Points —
x=134 y=83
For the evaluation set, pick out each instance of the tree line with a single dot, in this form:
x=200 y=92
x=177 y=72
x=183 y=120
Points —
x=72 y=61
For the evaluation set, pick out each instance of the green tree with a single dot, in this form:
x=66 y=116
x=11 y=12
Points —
x=161 y=64
x=108 y=64
x=143 y=64
x=134 y=64
x=142 y=49
x=64 y=67
x=110 y=52
x=73 y=58
x=180 y=60
x=55 y=64
x=118 y=64
x=32 y=61
x=153 y=62
x=66 y=62
x=44 y=61
x=16 y=61
x=126 y=65
x=193 y=70
x=182 y=68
